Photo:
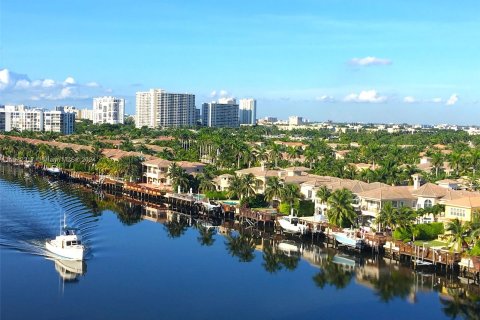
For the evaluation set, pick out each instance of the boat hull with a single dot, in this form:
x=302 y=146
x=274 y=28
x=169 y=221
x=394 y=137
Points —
x=347 y=241
x=291 y=228
x=74 y=253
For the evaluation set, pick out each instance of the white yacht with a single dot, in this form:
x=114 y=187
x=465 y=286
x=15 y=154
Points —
x=349 y=238
x=53 y=170
x=291 y=224
x=67 y=245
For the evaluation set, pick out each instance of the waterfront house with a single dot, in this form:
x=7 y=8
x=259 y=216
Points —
x=463 y=209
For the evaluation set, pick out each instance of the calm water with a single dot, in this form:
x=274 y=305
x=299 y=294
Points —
x=145 y=263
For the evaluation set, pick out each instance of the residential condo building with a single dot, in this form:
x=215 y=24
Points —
x=221 y=114
x=23 y=118
x=108 y=110
x=157 y=108
x=247 y=113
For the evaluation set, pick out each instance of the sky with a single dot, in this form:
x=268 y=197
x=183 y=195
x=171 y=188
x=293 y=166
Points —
x=341 y=60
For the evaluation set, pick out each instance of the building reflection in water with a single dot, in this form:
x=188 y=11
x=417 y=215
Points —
x=388 y=278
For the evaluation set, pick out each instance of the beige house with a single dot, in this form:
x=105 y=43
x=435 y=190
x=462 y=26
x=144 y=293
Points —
x=463 y=209
x=155 y=171
x=222 y=182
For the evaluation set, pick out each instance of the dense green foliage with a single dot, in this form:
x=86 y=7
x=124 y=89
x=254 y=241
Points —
x=425 y=231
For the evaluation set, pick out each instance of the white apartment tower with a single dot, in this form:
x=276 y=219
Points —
x=23 y=118
x=108 y=110
x=247 y=112
x=158 y=108
x=221 y=114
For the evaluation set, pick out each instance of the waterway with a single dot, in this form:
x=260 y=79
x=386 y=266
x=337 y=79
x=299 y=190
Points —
x=150 y=263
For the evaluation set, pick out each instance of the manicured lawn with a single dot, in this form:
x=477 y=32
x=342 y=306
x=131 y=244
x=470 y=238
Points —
x=433 y=243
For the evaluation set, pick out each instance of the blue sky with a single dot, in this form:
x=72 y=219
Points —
x=365 y=61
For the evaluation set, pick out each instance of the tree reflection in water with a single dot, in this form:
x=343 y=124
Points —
x=205 y=235
x=333 y=274
x=459 y=304
x=241 y=246
x=275 y=259
x=176 y=226
x=391 y=284
x=128 y=213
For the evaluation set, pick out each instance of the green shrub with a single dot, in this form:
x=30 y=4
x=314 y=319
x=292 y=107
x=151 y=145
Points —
x=217 y=195
x=475 y=251
x=426 y=231
x=306 y=208
x=256 y=201
x=284 y=208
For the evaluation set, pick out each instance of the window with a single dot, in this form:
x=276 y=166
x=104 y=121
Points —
x=427 y=203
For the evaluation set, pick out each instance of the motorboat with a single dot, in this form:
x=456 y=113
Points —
x=291 y=224
x=67 y=245
x=348 y=238
x=53 y=170
x=209 y=205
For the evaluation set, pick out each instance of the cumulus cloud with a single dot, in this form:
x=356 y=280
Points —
x=16 y=87
x=325 y=98
x=220 y=94
x=370 y=61
x=69 y=81
x=366 y=96
x=409 y=99
x=437 y=100
x=452 y=100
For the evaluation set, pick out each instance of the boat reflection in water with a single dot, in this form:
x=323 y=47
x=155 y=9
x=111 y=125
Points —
x=70 y=270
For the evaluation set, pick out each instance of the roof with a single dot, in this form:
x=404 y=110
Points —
x=430 y=190
x=465 y=202
x=388 y=193
x=297 y=169
x=158 y=162
x=457 y=194
x=259 y=172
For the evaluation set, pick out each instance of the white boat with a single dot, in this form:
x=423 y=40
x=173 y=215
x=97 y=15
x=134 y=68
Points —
x=209 y=205
x=291 y=224
x=53 y=170
x=348 y=238
x=67 y=245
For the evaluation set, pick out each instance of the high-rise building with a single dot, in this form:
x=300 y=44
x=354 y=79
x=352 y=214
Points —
x=221 y=114
x=247 y=113
x=108 y=110
x=158 y=108
x=23 y=118
x=295 y=120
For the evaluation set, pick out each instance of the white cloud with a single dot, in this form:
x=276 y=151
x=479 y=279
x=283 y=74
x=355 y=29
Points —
x=370 y=61
x=213 y=93
x=367 y=96
x=92 y=84
x=223 y=93
x=16 y=87
x=9 y=79
x=437 y=100
x=409 y=99
x=452 y=100
x=69 y=81
x=325 y=98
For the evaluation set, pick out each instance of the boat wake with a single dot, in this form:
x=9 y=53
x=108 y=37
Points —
x=31 y=211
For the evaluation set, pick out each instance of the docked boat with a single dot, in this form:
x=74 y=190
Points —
x=209 y=205
x=53 y=170
x=291 y=224
x=67 y=245
x=349 y=238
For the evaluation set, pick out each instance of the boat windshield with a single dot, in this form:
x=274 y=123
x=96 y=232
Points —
x=74 y=242
x=70 y=232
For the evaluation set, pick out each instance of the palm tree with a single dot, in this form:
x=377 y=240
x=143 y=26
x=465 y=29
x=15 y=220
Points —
x=235 y=187
x=341 y=211
x=205 y=184
x=437 y=161
x=387 y=217
x=249 y=184
x=241 y=246
x=273 y=189
x=459 y=234
x=290 y=193
x=271 y=261
x=323 y=193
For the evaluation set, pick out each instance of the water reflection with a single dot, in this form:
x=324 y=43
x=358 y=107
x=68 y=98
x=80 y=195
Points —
x=70 y=270
x=388 y=279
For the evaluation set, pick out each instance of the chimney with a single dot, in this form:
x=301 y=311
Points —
x=416 y=181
